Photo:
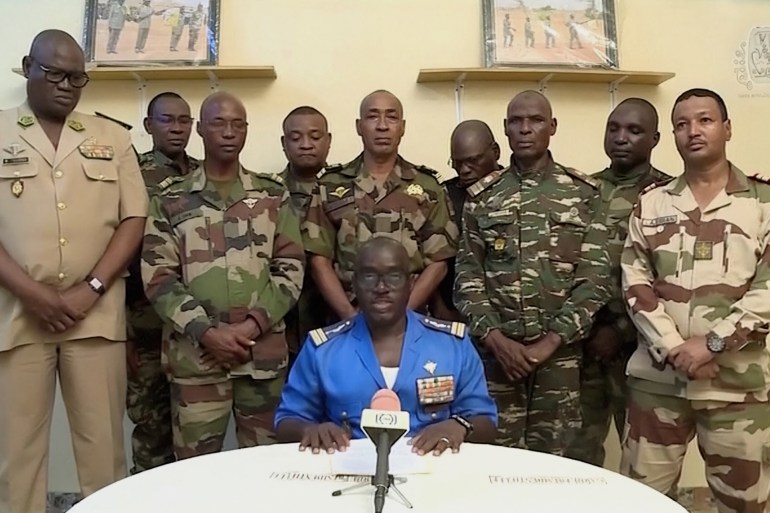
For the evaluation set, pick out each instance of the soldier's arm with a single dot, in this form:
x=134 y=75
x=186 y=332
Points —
x=591 y=288
x=319 y=239
x=657 y=328
x=472 y=399
x=287 y=270
x=438 y=243
x=162 y=277
x=749 y=317
x=470 y=293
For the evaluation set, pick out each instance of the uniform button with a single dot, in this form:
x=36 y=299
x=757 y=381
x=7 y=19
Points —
x=61 y=206
x=344 y=414
x=62 y=276
x=58 y=174
x=101 y=177
x=433 y=415
x=63 y=241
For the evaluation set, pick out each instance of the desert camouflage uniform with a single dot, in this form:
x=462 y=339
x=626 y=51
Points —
x=147 y=401
x=348 y=208
x=310 y=312
x=208 y=261
x=687 y=273
x=533 y=260
x=603 y=393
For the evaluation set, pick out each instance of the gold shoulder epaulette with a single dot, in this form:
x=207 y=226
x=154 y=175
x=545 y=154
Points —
x=457 y=329
x=759 y=178
x=322 y=335
x=481 y=185
x=574 y=173
x=272 y=177
x=429 y=171
x=168 y=182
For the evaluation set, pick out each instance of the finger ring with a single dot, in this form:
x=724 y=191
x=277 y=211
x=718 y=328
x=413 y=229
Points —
x=444 y=439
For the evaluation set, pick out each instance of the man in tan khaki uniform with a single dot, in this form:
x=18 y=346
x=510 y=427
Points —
x=72 y=209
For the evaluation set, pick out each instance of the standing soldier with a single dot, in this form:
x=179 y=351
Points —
x=306 y=141
x=550 y=33
x=531 y=274
x=116 y=19
x=378 y=194
x=176 y=30
x=144 y=18
x=72 y=209
x=474 y=154
x=629 y=138
x=529 y=34
x=148 y=403
x=696 y=276
x=508 y=31
x=223 y=264
x=574 y=36
x=197 y=19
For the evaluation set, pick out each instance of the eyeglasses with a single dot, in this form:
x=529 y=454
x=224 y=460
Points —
x=370 y=281
x=220 y=125
x=170 y=120
x=56 y=76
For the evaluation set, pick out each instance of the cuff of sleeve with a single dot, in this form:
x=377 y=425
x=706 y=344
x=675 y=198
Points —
x=262 y=320
x=665 y=344
x=566 y=330
x=196 y=328
x=724 y=329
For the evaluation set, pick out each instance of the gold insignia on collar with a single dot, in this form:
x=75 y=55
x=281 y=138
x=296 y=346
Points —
x=75 y=125
x=414 y=189
x=340 y=191
x=26 y=121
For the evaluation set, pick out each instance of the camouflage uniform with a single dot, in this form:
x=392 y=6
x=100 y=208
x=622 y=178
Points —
x=603 y=385
x=207 y=261
x=349 y=208
x=687 y=273
x=533 y=260
x=310 y=312
x=147 y=400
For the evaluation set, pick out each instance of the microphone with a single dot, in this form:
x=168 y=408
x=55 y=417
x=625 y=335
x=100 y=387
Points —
x=384 y=423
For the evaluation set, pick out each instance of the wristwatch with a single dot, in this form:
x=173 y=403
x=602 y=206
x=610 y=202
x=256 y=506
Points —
x=715 y=343
x=464 y=423
x=96 y=284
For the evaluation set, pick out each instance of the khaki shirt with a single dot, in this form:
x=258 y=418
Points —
x=59 y=208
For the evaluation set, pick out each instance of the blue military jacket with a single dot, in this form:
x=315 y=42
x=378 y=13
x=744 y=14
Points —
x=337 y=373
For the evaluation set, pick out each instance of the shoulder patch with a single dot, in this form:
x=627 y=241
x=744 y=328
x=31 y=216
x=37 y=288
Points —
x=321 y=335
x=329 y=169
x=429 y=171
x=121 y=123
x=654 y=185
x=759 y=178
x=168 y=182
x=456 y=329
x=481 y=185
x=574 y=173
x=277 y=178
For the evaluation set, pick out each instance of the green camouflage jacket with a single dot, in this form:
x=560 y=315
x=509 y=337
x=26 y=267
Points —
x=207 y=261
x=533 y=254
x=619 y=194
x=349 y=208
x=686 y=273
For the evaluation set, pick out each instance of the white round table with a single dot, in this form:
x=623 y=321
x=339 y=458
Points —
x=279 y=477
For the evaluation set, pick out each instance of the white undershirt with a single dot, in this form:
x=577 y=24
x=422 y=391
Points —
x=390 y=374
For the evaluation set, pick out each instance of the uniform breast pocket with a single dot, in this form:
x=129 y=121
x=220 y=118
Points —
x=500 y=236
x=197 y=247
x=101 y=171
x=12 y=178
x=339 y=210
x=433 y=413
x=566 y=237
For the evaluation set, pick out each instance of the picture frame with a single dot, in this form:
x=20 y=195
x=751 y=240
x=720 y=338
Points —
x=140 y=33
x=550 y=33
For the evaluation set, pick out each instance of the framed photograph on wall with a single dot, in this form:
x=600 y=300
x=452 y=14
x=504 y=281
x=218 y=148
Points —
x=151 y=32
x=575 y=33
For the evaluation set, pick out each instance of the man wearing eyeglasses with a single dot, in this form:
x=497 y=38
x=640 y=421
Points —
x=474 y=154
x=379 y=193
x=430 y=364
x=222 y=264
x=72 y=205
x=169 y=123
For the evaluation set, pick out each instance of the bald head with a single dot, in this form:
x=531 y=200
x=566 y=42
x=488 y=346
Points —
x=214 y=102
x=631 y=134
x=222 y=127
x=473 y=151
x=380 y=94
x=529 y=125
x=382 y=246
x=48 y=40
x=647 y=110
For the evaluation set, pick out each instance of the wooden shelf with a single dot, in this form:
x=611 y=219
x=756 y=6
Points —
x=596 y=76
x=211 y=73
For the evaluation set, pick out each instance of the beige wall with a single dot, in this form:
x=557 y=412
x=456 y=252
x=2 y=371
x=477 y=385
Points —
x=331 y=53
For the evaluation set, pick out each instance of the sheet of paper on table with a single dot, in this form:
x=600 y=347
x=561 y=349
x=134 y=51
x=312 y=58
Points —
x=360 y=459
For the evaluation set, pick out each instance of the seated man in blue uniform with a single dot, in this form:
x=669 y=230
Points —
x=430 y=364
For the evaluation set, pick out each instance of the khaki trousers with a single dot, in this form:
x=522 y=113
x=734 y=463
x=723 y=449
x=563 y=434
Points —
x=93 y=383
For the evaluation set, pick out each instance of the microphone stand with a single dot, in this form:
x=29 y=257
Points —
x=382 y=480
